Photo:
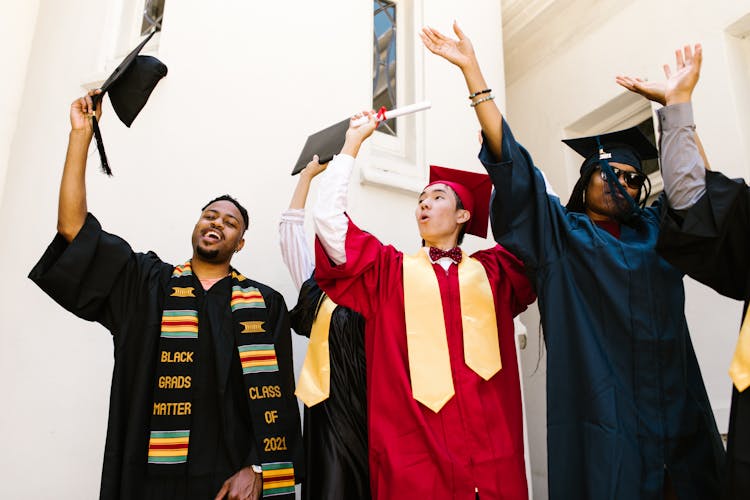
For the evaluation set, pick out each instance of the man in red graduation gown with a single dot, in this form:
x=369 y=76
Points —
x=443 y=391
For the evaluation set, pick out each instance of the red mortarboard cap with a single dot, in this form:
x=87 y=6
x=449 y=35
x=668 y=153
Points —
x=473 y=189
x=129 y=87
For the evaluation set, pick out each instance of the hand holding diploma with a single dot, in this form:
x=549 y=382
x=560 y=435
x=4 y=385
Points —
x=330 y=140
x=383 y=115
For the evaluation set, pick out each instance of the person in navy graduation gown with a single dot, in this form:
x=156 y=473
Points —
x=706 y=234
x=628 y=416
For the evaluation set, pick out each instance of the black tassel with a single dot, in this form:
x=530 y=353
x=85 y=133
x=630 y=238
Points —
x=100 y=146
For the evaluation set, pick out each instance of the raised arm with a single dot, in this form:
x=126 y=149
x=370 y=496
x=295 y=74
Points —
x=329 y=212
x=299 y=197
x=525 y=218
x=72 y=209
x=295 y=251
x=683 y=160
x=461 y=53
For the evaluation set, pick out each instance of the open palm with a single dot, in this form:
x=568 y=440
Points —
x=460 y=52
x=678 y=86
x=653 y=91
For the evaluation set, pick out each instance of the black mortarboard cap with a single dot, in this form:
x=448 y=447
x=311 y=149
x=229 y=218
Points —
x=325 y=144
x=129 y=87
x=627 y=146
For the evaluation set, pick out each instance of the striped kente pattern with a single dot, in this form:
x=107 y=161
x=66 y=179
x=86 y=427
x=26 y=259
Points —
x=278 y=478
x=168 y=447
x=179 y=324
x=244 y=298
x=258 y=358
x=183 y=270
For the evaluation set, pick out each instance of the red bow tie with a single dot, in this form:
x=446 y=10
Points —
x=454 y=254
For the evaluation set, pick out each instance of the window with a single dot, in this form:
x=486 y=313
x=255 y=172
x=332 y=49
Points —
x=130 y=21
x=153 y=12
x=384 y=60
x=136 y=19
x=397 y=153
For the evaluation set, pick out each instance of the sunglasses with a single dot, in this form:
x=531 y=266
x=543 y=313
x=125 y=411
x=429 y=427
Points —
x=634 y=180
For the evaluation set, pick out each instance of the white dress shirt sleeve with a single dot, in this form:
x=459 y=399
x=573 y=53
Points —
x=329 y=212
x=682 y=166
x=294 y=249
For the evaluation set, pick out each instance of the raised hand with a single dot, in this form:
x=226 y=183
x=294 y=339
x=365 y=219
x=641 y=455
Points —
x=313 y=168
x=460 y=52
x=681 y=83
x=653 y=91
x=678 y=86
x=361 y=132
x=81 y=110
x=356 y=134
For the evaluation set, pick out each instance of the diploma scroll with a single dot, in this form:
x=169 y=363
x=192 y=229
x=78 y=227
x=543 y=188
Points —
x=396 y=112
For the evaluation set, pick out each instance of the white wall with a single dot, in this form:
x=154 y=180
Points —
x=17 y=25
x=560 y=90
x=247 y=83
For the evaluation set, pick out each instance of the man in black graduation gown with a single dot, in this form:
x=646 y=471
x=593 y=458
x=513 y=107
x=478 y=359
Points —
x=706 y=234
x=202 y=401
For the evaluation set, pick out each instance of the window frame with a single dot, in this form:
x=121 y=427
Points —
x=398 y=161
x=125 y=18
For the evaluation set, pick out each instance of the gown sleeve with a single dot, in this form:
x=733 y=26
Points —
x=97 y=276
x=370 y=270
x=711 y=240
x=510 y=273
x=525 y=218
x=303 y=314
x=351 y=265
x=294 y=250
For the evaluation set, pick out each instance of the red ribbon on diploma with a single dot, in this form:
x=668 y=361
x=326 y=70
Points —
x=381 y=115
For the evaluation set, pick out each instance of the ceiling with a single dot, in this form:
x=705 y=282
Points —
x=534 y=30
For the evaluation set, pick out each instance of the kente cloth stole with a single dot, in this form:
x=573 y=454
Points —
x=739 y=369
x=314 y=384
x=426 y=340
x=169 y=442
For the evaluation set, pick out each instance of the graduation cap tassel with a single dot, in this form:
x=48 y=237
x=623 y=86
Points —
x=613 y=182
x=100 y=146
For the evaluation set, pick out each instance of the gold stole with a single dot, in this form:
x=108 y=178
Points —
x=314 y=383
x=427 y=343
x=739 y=369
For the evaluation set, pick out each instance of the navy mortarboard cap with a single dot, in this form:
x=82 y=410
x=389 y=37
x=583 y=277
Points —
x=628 y=146
x=129 y=87
x=474 y=191
x=325 y=144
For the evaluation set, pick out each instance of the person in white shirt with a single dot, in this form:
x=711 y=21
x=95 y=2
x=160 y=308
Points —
x=335 y=415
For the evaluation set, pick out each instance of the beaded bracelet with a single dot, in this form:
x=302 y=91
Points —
x=480 y=101
x=485 y=91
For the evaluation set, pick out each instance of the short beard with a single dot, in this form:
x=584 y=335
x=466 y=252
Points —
x=208 y=255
